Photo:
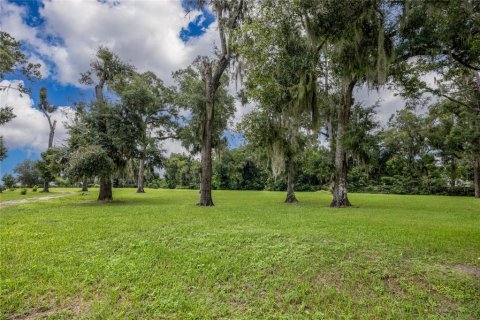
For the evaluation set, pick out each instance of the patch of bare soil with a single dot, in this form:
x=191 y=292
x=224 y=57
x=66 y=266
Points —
x=473 y=271
x=20 y=201
x=75 y=307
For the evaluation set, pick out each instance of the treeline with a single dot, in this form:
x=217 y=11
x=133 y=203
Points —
x=298 y=64
x=413 y=154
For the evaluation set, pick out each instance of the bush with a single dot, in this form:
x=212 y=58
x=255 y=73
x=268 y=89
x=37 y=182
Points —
x=157 y=184
x=63 y=182
x=35 y=188
x=11 y=188
x=23 y=191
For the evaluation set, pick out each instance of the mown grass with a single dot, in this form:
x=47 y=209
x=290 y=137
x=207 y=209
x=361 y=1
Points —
x=157 y=255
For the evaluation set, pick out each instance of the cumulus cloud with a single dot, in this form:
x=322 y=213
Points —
x=144 y=33
x=29 y=129
x=388 y=102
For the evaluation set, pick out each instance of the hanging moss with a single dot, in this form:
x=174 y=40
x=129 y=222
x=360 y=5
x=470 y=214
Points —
x=381 y=56
x=278 y=158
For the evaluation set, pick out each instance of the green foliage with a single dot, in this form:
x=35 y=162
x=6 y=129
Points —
x=112 y=129
x=6 y=114
x=281 y=80
x=35 y=188
x=105 y=68
x=149 y=109
x=90 y=161
x=8 y=181
x=12 y=59
x=27 y=173
x=238 y=169
x=23 y=191
x=182 y=171
x=191 y=97
x=447 y=29
x=157 y=184
x=53 y=162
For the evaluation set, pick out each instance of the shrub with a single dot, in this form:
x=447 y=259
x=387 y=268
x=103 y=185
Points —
x=23 y=191
x=35 y=188
x=157 y=184
x=61 y=182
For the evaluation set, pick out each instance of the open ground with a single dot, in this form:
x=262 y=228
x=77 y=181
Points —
x=157 y=255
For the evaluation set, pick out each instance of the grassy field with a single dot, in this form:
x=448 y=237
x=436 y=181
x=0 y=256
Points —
x=159 y=256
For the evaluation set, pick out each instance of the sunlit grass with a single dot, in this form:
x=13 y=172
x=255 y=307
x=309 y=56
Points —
x=157 y=255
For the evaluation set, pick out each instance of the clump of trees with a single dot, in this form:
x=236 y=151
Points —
x=298 y=64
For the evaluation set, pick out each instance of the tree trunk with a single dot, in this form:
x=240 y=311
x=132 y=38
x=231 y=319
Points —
x=206 y=177
x=99 y=90
x=340 y=196
x=291 y=182
x=84 y=184
x=476 y=177
x=105 y=193
x=141 y=178
x=453 y=173
x=52 y=132
x=211 y=85
x=46 y=186
x=46 y=183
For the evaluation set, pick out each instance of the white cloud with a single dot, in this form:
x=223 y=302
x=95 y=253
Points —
x=144 y=33
x=173 y=146
x=29 y=129
x=388 y=102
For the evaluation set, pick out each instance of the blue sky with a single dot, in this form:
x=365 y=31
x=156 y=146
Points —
x=42 y=20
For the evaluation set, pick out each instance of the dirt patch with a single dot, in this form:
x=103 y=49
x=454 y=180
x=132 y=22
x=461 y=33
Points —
x=473 y=271
x=27 y=200
x=334 y=280
x=74 y=307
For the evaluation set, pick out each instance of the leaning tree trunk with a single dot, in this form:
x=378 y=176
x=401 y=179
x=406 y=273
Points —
x=84 y=184
x=206 y=177
x=476 y=177
x=105 y=193
x=141 y=177
x=340 y=196
x=290 y=182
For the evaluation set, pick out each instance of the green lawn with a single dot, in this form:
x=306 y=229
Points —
x=159 y=256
